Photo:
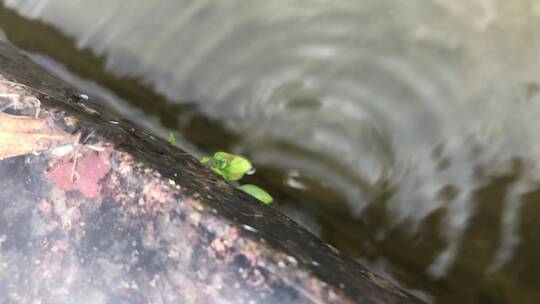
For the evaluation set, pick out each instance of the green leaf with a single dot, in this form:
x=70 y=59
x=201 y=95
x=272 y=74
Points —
x=237 y=168
x=220 y=163
x=172 y=138
x=231 y=167
x=257 y=192
x=223 y=155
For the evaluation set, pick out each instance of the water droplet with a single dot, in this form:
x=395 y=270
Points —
x=292 y=260
x=293 y=180
x=251 y=171
x=249 y=228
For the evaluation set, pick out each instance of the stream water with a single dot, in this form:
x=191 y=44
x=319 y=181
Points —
x=405 y=133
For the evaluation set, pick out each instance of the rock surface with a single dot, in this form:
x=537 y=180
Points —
x=110 y=214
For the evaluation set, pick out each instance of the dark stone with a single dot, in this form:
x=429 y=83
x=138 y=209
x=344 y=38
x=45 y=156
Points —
x=162 y=228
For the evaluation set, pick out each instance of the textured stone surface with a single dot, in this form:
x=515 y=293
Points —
x=118 y=216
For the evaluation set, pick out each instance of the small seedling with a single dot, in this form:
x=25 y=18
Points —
x=232 y=168
x=172 y=139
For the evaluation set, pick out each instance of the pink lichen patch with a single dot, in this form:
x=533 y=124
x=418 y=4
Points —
x=89 y=170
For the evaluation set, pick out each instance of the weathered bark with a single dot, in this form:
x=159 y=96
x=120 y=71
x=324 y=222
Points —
x=110 y=214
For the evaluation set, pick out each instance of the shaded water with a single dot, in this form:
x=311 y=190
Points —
x=406 y=133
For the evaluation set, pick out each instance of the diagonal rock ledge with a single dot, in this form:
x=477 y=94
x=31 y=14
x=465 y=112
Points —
x=110 y=214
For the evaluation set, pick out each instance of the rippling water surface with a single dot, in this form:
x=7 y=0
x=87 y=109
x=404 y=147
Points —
x=407 y=133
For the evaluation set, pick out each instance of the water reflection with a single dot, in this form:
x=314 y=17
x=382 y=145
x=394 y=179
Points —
x=422 y=116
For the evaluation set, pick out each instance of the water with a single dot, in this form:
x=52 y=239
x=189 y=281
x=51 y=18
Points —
x=405 y=133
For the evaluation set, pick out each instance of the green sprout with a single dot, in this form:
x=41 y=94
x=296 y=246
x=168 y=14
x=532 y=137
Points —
x=172 y=139
x=232 y=168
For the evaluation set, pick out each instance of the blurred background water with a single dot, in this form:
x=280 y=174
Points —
x=405 y=133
